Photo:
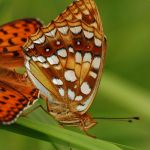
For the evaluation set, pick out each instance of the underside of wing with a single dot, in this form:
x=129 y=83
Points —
x=84 y=10
x=16 y=94
x=12 y=37
x=67 y=56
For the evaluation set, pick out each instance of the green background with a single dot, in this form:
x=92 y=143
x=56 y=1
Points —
x=125 y=86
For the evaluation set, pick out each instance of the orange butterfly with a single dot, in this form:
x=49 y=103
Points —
x=16 y=92
x=65 y=59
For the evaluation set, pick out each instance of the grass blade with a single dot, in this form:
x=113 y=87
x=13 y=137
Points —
x=58 y=135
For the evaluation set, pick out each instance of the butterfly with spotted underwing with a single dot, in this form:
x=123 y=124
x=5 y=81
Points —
x=65 y=61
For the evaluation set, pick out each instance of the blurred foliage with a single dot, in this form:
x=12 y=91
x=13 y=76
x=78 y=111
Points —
x=125 y=84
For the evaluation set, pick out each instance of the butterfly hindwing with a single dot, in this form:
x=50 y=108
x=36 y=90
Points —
x=16 y=94
x=12 y=37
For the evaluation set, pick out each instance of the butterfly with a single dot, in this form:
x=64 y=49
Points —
x=16 y=91
x=65 y=60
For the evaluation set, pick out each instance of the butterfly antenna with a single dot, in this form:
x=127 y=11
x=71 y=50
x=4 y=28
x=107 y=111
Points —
x=128 y=119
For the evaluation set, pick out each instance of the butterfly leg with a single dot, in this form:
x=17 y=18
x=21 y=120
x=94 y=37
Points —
x=47 y=105
x=61 y=124
x=90 y=135
x=37 y=107
x=25 y=75
x=85 y=130
x=30 y=111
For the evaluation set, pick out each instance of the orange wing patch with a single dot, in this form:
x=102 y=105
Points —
x=16 y=94
x=12 y=37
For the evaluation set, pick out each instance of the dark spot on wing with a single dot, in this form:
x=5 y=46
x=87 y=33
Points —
x=28 y=20
x=15 y=53
x=1 y=40
x=5 y=50
x=14 y=26
x=23 y=39
x=21 y=100
x=6 y=98
x=27 y=29
x=24 y=25
x=2 y=102
x=11 y=42
x=3 y=31
x=33 y=91
x=88 y=19
x=25 y=104
x=2 y=89
x=13 y=96
x=15 y=34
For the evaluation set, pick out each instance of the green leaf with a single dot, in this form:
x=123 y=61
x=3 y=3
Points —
x=51 y=133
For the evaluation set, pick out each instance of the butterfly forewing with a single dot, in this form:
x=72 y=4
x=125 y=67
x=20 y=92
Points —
x=12 y=37
x=84 y=10
x=67 y=57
